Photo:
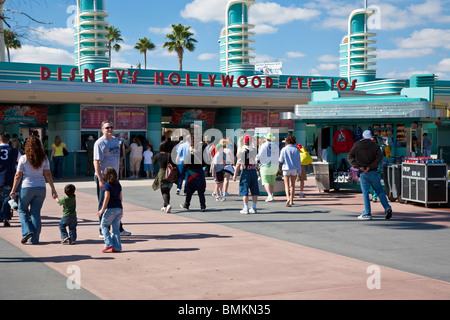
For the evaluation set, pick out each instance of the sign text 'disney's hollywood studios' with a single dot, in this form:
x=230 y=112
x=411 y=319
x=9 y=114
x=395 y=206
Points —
x=175 y=79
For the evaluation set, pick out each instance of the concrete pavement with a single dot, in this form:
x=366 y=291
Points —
x=316 y=249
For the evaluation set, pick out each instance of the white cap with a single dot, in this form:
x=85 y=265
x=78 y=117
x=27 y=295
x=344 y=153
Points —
x=367 y=134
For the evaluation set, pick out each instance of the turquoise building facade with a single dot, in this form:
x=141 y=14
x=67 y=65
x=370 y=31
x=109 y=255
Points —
x=73 y=97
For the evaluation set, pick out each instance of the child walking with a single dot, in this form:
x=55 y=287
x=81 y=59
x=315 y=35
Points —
x=69 y=218
x=148 y=158
x=249 y=176
x=111 y=211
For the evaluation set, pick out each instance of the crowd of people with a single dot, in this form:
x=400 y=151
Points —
x=23 y=177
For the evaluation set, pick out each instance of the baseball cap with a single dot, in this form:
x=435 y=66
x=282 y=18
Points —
x=270 y=136
x=247 y=139
x=367 y=134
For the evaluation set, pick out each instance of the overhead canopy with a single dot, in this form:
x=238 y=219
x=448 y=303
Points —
x=53 y=92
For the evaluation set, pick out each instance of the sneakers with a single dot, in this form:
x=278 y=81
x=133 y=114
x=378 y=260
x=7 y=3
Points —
x=388 y=213
x=248 y=211
x=168 y=208
x=227 y=194
x=66 y=240
x=365 y=217
x=26 y=238
x=269 y=198
x=184 y=207
x=220 y=198
x=108 y=249
x=301 y=195
x=125 y=233
x=245 y=211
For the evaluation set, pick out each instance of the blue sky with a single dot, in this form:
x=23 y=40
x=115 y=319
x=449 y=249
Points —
x=413 y=35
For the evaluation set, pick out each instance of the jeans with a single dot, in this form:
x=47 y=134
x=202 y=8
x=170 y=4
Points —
x=372 y=179
x=111 y=218
x=30 y=204
x=182 y=176
x=58 y=166
x=101 y=198
x=427 y=153
x=71 y=222
x=5 y=211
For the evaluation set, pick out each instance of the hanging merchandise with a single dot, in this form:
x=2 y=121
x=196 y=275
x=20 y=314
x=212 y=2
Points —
x=358 y=135
x=341 y=174
x=343 y=141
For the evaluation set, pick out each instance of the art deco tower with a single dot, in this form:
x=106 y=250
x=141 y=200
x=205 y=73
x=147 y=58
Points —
x=90 y=41
x=355 y=52
x=235 y=40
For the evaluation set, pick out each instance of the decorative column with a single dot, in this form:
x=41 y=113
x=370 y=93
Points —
x=235 y=40
x=356 y=54
x=90 y=35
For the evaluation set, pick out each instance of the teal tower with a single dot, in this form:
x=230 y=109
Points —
x=235 y=40
x=90 y=35
x=356 y=52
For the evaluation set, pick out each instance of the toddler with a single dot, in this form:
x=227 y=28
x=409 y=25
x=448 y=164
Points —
x=69 y=218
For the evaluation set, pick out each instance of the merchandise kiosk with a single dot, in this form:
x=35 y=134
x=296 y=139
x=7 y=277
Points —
x=395 y=121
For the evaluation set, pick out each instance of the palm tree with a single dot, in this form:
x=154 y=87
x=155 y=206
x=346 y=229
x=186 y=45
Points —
x=11 y=42
x=180 y=39
x=143 y=46
x=113 y=36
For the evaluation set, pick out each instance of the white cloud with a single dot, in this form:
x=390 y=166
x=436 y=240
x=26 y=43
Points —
x=274 y=14
x=208 y=56
x=395 y=74
x=293 y=54
x=265 y=29
x=327 y=66
x=162 y=31
x=205 y=10
x=426 y=38
x=443 y=65
x=61 y=36
x=403 y=53
x=328 y=58
x=45 y=55
x=263 y=58
x=266 y=13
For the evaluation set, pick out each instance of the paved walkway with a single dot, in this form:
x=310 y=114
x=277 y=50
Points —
x=316 y=249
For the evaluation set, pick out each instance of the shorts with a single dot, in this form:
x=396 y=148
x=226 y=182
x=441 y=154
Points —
x=292 y=172
x=268 y=179
x=249 y=180
x=219 y=177
x=135 y=164
x=302 y=176
x=148 y=167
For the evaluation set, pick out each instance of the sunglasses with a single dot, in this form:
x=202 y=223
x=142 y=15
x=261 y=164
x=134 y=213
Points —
x=108 y=128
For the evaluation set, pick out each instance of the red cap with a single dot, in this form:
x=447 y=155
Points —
x=247 y=139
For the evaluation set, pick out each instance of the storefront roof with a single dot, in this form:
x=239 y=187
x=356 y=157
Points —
x=53 y=92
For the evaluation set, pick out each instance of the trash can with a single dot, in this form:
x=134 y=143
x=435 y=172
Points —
x=394 y=176
x=323 y=172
